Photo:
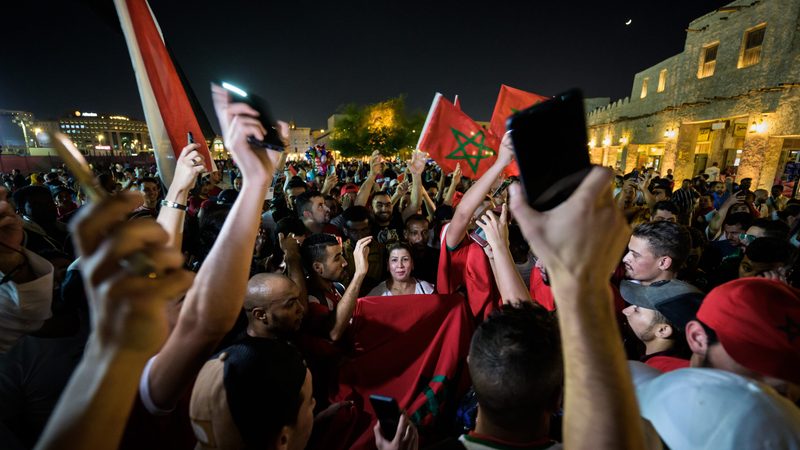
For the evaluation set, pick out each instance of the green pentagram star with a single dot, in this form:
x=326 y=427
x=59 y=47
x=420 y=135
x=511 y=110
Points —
x=473 y=159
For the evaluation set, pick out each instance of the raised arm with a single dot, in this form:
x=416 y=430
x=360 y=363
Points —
x=294 y=264
x=415 y=167
x=364 y=192
x=476 y=194
x=716 y=221
x=172 y=215
x=128 y=319
x=509 y=282
x=600 y=409
x=213 y=304
x=347 y=304
x=451 y=189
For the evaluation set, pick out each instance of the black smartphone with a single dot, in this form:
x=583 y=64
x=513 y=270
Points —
x=388 y=414
x=272 y=140
x=503 y=186
x=550 y=145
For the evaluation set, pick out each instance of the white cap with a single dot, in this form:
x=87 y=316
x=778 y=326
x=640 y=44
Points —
x=715 y=409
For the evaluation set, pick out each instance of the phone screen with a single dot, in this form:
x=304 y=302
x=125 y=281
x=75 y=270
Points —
x=550 y=145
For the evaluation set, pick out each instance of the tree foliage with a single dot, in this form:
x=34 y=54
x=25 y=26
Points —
x=384 y=126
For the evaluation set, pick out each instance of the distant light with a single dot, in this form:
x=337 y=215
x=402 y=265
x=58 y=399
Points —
x=629 y=22
x=77 y=113
x=37 y=130
x=89 y=114
x=322 y=130
x=102 y=147
x=234 y=89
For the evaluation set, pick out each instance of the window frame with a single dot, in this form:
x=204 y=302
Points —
x=741 y=63
x=702 y=66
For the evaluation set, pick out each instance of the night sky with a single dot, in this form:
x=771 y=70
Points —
x=309 y=58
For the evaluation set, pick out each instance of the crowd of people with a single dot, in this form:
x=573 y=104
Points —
x=643 y=312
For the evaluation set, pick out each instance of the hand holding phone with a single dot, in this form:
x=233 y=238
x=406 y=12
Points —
x=272 y=138
x=388 y=414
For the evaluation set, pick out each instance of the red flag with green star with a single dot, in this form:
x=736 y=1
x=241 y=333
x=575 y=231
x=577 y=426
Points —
x=509 y=101
x=450 y=137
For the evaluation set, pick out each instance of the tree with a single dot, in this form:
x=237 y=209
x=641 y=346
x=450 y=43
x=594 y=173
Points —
x=384 y=126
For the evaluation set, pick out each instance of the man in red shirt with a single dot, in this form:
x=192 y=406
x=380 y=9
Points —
x=657 y=315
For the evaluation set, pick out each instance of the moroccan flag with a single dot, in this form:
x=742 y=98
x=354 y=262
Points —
x=509 y=101
x=450 y=136
x=409 y=347
x=167 y=107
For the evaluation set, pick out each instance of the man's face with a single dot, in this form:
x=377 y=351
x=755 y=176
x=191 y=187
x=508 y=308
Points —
x=292 y=193
x=660 y=194
x=732 y=233
x=319 y=212
x=719 y=188
x=686 y=184
x=382 y=208
x=433 y=191
x=333 y=264
x=745 y=185
x=416 y=233
x=664 y=215
x=150 y=191
x=301 y=431
x=284 y=312
x=216 y=177
x=640 y=262
x=739 y=208
x=704 y=202
x=748 y=268
x=357 y=230
x=642 y=322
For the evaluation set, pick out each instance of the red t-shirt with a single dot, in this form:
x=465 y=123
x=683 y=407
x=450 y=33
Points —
x=541 y=292
x=665 y=363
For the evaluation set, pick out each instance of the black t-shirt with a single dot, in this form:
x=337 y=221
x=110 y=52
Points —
x=391 y=232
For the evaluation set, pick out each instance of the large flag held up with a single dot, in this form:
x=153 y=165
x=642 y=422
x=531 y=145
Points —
x=412 y=348
x=166 y=105
x=450 y=136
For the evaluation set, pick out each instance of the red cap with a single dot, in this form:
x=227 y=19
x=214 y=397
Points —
x=758 y=322
x=347 y=188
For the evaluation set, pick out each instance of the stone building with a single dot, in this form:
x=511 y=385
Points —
x=732 y=96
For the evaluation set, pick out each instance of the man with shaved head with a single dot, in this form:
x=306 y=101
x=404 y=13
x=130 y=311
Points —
x=273 y=305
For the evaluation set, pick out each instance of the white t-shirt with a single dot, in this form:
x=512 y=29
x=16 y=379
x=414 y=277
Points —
x=714 y=409
x=25 y=306
x=713 y=173
x=423 y=287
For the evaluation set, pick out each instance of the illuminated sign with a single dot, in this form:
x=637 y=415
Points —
x=87 y=114
x=118 y=117
x=102 y=147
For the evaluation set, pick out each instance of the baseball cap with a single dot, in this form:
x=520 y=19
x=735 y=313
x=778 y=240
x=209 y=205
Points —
x=715 y=409
x=758 y=322
x=676 y=300
x=246 y=393
x=347 y=188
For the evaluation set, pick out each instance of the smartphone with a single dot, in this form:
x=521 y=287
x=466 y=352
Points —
x=272 y=140
x=479 y=236
x=503 y=186
x=388 y=414
x=550 y=146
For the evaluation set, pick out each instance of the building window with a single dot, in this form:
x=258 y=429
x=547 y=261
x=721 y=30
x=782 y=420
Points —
x=708 y=60
x=751 y=46
x=644 y=88
x=662 y=80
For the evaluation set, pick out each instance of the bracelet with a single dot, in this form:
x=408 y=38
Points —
x=174 y=205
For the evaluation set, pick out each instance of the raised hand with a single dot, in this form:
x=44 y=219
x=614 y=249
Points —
x=406 y=436
x=505 y=154
x=190 y=164
x=360 y=255
x=417 y=164
x=496 y=228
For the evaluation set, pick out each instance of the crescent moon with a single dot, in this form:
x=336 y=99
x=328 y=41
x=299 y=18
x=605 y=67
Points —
x=628 y=22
